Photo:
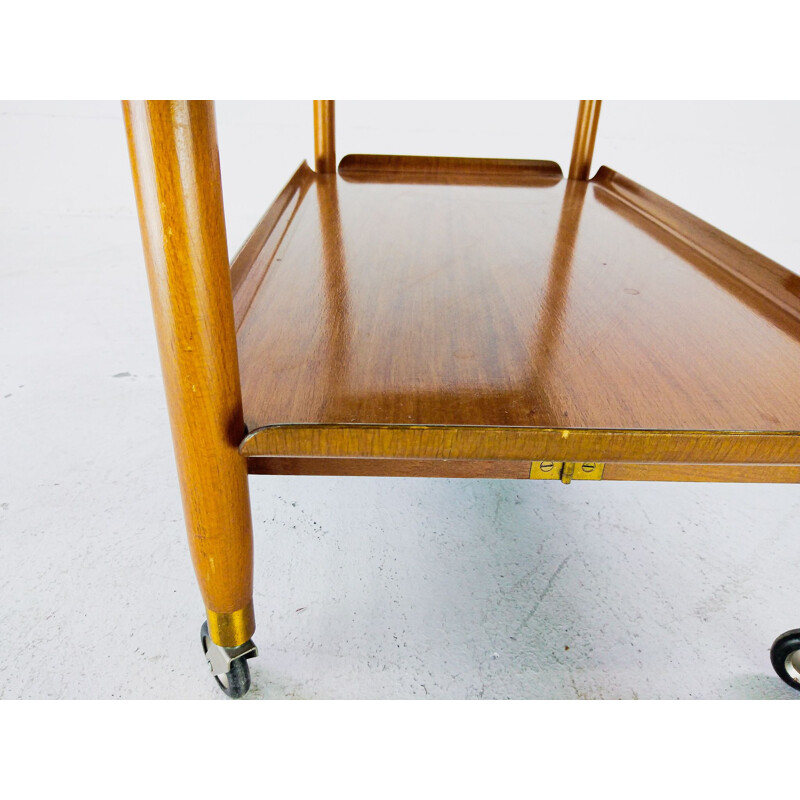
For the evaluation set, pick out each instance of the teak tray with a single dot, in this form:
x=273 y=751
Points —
x=490 y=310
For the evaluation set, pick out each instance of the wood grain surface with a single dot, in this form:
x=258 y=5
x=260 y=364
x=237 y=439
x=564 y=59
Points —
x=703 y=473
x=173 y=149
x=422 y=308
x=365 y=168
x=471 y=442
x=519 y=470
x=389 y=467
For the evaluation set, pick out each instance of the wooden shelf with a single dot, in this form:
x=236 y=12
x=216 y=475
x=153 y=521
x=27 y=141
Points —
x=436 y=308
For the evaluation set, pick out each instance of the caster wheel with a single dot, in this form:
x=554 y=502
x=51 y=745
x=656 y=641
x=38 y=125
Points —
x=235 y=683
x=785 y=655
x=229 y=665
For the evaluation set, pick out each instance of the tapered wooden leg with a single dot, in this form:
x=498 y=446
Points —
x=173 y=149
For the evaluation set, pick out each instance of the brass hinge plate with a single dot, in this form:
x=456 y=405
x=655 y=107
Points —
x=546 y=470
x=566 y=471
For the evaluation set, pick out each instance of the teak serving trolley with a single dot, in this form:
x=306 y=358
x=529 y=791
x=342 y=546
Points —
x=448 y=317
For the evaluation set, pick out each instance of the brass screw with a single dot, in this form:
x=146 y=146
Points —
x=546 y=466
x=588 y=467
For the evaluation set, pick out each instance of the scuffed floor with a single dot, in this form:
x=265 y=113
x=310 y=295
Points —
x=365 y=587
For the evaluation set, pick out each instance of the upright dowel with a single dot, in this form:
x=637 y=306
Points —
x=583 y=145
x=324 y=136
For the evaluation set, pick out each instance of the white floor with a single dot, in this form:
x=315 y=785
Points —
x=365 y=587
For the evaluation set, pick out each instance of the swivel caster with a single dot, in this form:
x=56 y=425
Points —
x=229 y=664
x=785 y=655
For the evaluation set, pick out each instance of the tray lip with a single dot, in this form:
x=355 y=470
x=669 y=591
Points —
x=374 y=167
x=253 y=245
x=767 y=278
x=249 y=266
x=484 y=442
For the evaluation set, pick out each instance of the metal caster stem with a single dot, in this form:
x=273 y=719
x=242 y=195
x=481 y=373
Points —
x=228 y=665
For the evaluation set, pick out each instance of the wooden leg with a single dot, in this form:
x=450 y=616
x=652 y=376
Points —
x=583 y=144
x=324 y=136
x=173 y=149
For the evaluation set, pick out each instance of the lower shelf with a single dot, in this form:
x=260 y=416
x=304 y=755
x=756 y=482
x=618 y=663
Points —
x=466 y=310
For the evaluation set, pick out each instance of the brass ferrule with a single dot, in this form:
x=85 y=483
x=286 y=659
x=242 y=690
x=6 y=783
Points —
x=230 y=629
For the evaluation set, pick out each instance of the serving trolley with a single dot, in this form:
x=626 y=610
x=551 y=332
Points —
x=431 y=316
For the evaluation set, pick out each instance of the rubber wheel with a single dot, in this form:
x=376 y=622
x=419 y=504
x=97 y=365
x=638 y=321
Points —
x=235 y=683
x=785 y=656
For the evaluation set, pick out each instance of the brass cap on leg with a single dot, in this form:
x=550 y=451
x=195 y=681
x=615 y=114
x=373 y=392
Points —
x=233 y=628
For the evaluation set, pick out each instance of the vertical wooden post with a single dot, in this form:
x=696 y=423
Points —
x=583 y=144
x=324 y=136
x=175 y=162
